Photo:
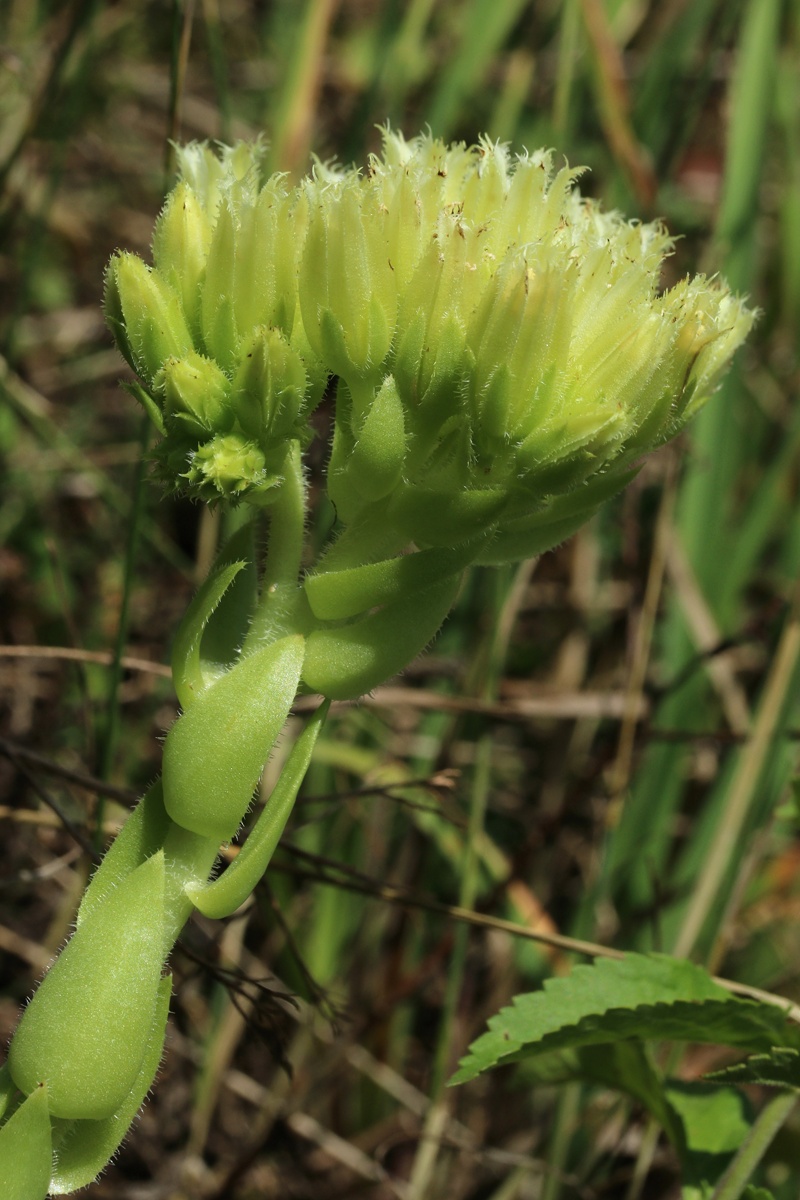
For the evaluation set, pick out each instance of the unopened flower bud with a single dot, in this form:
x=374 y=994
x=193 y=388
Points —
x=347 y=291
x=180 y=247
x=269 y=387
x=197 y=392
x=155 y=327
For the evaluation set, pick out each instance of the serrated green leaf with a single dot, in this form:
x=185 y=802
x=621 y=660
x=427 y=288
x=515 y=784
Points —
x=780 y=1067
x=640 y=996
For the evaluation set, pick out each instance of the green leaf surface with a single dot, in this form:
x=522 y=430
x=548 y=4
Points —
x=228 y=591
x=85 y=1147
x=346 y=662
x=187 y=673
x=26 y=1154
x=215 y=752
x=226 y=894
x=8 y=1092
x=86 y=1030
x=337 y=595
x=140 y=837
x=780 y=1067
x=639 y=996
x=623 y=1066
x=715 y=1121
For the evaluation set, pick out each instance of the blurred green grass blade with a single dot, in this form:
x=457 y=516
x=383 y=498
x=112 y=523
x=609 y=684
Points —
x=108 y=732
x=722 y=435
x=752 y=102
x=610 y=84
x=752 y=771
x=291 y=112
x=568 y=43
x=487 y=24
x=677 y=76
x=38 y=414
x=215 y=39
x=766 y=517
x=788 y=113
x=518 y=80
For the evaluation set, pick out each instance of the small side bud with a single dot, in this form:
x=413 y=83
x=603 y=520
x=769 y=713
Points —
x=228 y=467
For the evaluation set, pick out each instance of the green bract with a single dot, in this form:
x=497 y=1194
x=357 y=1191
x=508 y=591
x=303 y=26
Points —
x=498 y=340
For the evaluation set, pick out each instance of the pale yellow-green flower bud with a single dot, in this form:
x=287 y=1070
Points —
x=268 y=387
x=198 y=393
x=180 y=247
x=268 y=238
x=346 y=285
x=217 y=311
x=154 y=323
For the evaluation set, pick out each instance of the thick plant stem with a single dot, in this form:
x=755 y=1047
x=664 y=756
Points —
x=277 y=606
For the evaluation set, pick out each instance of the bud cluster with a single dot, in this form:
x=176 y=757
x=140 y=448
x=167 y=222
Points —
x=500 y=342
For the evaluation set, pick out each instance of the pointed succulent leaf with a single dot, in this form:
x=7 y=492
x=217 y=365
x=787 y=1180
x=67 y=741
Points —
x=440 y=518
x=26 y=1153
x=337 y=595
x=84 y=1148
x=224 y=895
x=346 y=662
x=187 y=672
x=140 y=838
x=215 y=752
x=86 y=1030
x=376 y=463
x=524 y=537
x=227 y=626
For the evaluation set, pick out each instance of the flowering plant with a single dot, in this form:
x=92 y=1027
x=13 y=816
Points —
x=503 y=357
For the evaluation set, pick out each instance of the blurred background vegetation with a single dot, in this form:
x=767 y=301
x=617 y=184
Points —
x=600 y=744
